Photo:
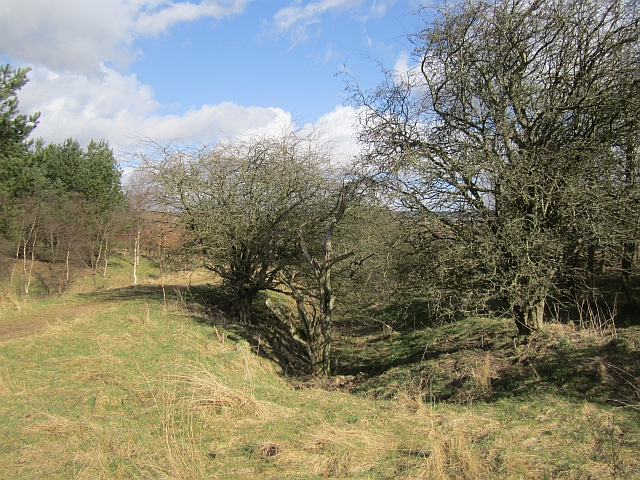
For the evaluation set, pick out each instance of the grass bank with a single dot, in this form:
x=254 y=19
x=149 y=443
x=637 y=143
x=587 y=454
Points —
x=121 y=385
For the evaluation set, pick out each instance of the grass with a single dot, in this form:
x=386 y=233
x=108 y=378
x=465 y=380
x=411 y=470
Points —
x=120 y=384
x=482 y=359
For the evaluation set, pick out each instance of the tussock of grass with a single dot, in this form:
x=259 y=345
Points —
x=343 y=451
x=210 y=392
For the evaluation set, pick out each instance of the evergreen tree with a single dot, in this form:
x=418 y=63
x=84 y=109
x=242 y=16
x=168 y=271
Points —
x=18 y=176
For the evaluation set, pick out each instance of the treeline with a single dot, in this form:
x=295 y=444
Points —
x=499 y=176
x=57 y=201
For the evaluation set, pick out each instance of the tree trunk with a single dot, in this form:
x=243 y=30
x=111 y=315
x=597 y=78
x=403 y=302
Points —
x=627 y=264
x=530 y=317
x=27 y=271
x=95 y=259
x=317 y=326
x=320 y=356
x=106 y=257
x=242 y=304
x=66 y=263
x=321 y=345
x=320 y=351
x=317 y=333
x=136 y=257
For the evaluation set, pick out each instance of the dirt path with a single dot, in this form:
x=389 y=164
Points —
x=25 y=323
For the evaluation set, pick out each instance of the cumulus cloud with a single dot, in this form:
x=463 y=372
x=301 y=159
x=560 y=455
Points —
x=338 y=129
x=76 y=35
x=74 y=43
x=119 y=108
x=402 y=65
x=211 y=122
x=406 y=70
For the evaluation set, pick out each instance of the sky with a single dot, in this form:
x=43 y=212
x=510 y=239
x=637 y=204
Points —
x=199 y=71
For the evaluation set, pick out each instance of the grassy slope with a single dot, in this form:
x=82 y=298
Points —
x=117 y=385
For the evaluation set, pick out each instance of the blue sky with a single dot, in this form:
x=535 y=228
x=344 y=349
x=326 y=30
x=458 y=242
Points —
x=198 y=70
x=243 y=59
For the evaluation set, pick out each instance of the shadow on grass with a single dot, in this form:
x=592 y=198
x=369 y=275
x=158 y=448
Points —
x=399 y=350
x=594 y=369
x=152 y=293
x=211 y=305
x=483 y=359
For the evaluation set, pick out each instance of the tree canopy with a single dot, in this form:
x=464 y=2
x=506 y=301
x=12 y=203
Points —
x=240 y=204
x=92 y=173
x=14 y=132
x=14 y=126
x=506 y=139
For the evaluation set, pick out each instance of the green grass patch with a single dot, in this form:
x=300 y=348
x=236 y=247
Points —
x=120 y=384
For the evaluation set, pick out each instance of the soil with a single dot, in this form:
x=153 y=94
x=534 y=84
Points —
x=31 y=323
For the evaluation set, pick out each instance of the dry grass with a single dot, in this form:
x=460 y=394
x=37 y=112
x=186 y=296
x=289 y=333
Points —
x=208 y=391
x=342 y=451
x=450 y=456
x=133 y=389
x=443 y=444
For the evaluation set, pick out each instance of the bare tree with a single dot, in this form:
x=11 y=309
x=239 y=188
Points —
x=315 y=305
x=500 y=146
x=240 y=204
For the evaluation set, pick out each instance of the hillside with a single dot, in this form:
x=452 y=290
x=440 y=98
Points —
x=118 y=385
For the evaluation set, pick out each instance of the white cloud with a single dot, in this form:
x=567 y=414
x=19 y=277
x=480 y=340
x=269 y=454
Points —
x=76 y=35
x=311 y=12
x=157 y=22
x=329 y=55
x=120 y=109
x=338 y=129
x=211 y=122
x=406 y=70
x=70 y=41
x=297 y=17
x=378 y=9
x=402 y=66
